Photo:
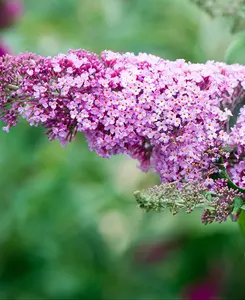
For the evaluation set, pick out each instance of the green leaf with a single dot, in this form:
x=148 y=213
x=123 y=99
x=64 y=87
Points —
x=236 y=51
x=241 y=221
x=238 y=202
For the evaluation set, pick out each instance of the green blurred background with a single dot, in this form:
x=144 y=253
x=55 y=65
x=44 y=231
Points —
x=69 y=226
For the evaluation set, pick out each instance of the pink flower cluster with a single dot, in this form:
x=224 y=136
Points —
x=172 y=116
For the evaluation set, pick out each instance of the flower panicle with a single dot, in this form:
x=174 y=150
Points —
x=174 y=117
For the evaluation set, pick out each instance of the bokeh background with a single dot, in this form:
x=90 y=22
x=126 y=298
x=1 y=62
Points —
x=69 y=225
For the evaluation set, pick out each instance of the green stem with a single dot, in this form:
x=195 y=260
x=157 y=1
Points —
x=224 y=174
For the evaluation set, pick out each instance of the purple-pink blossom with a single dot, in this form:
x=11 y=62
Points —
x=172 y=116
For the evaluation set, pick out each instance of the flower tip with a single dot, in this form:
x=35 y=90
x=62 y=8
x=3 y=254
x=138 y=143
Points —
x=137 y=194
x=6 y=128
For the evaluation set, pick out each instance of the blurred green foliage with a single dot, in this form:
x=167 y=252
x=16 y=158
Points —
x=69 y=226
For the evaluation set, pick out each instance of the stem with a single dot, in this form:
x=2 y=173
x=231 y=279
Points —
x=224 y=174
x=12 y=87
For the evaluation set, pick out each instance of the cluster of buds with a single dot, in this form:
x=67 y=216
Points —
x=10 y=11
x=234 y=9
x=174 y=117
x=218 y=203
x=173 y=197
